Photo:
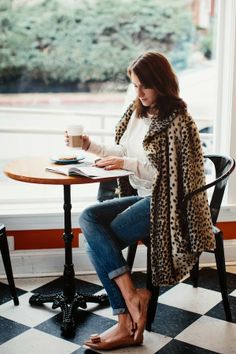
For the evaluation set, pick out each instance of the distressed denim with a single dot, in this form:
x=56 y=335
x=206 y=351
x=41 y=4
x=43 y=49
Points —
x=109 y=227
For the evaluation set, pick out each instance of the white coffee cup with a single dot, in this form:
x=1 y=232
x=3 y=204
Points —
x=75 y=133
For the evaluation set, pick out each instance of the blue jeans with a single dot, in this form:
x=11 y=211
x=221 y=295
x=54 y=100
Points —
x=109 y=227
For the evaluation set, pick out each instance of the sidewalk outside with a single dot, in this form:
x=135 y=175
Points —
x=198 y=87
x=52 y=100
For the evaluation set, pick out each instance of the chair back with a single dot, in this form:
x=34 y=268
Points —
x=224 y=166
x=2 y=230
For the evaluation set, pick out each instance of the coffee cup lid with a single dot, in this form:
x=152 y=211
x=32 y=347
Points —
x=75 y=129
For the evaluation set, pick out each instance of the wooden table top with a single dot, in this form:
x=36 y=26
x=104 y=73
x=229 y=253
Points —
x=32 y=170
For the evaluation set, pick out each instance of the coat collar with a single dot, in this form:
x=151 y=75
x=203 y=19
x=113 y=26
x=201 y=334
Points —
x=157 y=124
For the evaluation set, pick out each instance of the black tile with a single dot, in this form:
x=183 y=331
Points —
x=5 y=294
x=86 y=324
x=177 y=347
x=208 y=279
x=170 y=321
x=57 y=286
x=10 y=329
x=218 y=310
x=139 y=279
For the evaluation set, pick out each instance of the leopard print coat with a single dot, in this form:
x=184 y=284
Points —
x=177 y=234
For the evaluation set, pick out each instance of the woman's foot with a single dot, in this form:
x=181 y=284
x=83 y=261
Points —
x=121 y=335
x=101 y=343
x=138 y=307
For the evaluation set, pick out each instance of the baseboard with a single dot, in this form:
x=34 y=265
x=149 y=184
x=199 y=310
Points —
x=51 y=262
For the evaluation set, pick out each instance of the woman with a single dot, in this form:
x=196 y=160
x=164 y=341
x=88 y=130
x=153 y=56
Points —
x=158 y=141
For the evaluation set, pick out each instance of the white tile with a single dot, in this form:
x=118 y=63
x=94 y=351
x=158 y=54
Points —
x=188 y=298
x=212 y=334
x=151 y=344
x=231 y=269
x=233 y=293
x=99 y=310
x=36 y=342
x=29 y=284
x=25 y=313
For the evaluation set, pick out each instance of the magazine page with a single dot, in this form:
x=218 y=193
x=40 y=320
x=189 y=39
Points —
x=64 y=170
x=98 y=172
x=87 y=169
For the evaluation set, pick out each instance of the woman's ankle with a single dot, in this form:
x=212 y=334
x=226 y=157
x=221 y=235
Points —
x=125 y=322
x=126 y=286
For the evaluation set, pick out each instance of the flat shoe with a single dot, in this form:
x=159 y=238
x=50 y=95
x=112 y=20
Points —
x=99 y=344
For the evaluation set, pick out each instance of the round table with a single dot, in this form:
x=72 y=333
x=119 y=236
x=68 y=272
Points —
x=33 y=170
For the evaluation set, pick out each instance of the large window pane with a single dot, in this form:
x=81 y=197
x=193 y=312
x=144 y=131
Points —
x=60 y=62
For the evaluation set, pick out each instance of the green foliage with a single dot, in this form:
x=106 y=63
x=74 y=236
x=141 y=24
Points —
x=92 y=41
x=206 y=43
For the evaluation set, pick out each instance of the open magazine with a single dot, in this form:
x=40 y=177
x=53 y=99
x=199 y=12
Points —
x=87 y=169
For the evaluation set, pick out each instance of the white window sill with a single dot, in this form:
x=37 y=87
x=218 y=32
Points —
x=44 y=216
x=38 y=216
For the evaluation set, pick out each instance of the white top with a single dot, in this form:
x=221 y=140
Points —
x=131 y=149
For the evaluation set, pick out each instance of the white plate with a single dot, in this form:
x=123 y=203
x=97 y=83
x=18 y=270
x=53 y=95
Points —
x=65 y=161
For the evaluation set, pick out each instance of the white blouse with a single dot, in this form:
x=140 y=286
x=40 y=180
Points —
x=131 y=149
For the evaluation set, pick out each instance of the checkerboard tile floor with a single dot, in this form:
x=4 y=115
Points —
x=188 y=320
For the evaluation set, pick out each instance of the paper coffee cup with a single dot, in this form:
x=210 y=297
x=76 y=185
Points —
x=75 y=133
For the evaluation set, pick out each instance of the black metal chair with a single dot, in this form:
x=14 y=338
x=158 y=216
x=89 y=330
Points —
x=224 y=166
x=7 y=263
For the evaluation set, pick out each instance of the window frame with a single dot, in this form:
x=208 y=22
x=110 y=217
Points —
x=225 y=125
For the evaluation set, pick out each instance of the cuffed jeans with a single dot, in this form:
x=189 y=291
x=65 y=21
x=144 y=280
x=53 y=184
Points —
x=109 y=227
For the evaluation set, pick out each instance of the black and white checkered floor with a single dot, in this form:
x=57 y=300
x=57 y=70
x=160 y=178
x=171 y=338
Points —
x=188 y=320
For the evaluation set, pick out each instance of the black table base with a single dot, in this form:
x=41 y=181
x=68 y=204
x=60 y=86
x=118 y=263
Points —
x=69 y=300
x=68 y=309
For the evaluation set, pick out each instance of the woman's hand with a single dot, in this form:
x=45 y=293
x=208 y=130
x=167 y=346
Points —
x=85 y=141
x=110 y=162
x=66 y=138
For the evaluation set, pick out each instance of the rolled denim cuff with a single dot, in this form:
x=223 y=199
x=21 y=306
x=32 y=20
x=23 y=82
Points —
x=119 y=271
x=119 y=311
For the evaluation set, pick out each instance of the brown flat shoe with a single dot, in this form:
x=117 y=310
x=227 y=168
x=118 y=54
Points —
x=97 y=343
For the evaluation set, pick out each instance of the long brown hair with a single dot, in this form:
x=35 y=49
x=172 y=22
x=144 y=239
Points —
x=154 y=71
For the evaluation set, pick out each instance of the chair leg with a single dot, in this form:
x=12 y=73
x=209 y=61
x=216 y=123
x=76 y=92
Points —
x=152 y=307
x=194 y=274
x=155 y=293
x=220 y=262
x=131 y=255
x=7 y=264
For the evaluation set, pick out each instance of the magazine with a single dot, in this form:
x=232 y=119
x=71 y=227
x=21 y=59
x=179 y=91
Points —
x=87 y=169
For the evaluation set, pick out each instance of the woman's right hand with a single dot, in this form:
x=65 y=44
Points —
x=66 y=138
x=85 y=141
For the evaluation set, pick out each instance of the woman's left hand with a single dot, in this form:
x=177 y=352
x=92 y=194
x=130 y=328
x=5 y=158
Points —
x=110 y=162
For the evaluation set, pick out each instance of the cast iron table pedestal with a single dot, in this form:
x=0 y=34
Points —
x=69 y=300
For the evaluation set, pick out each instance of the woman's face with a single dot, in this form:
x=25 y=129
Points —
x=147 y=96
